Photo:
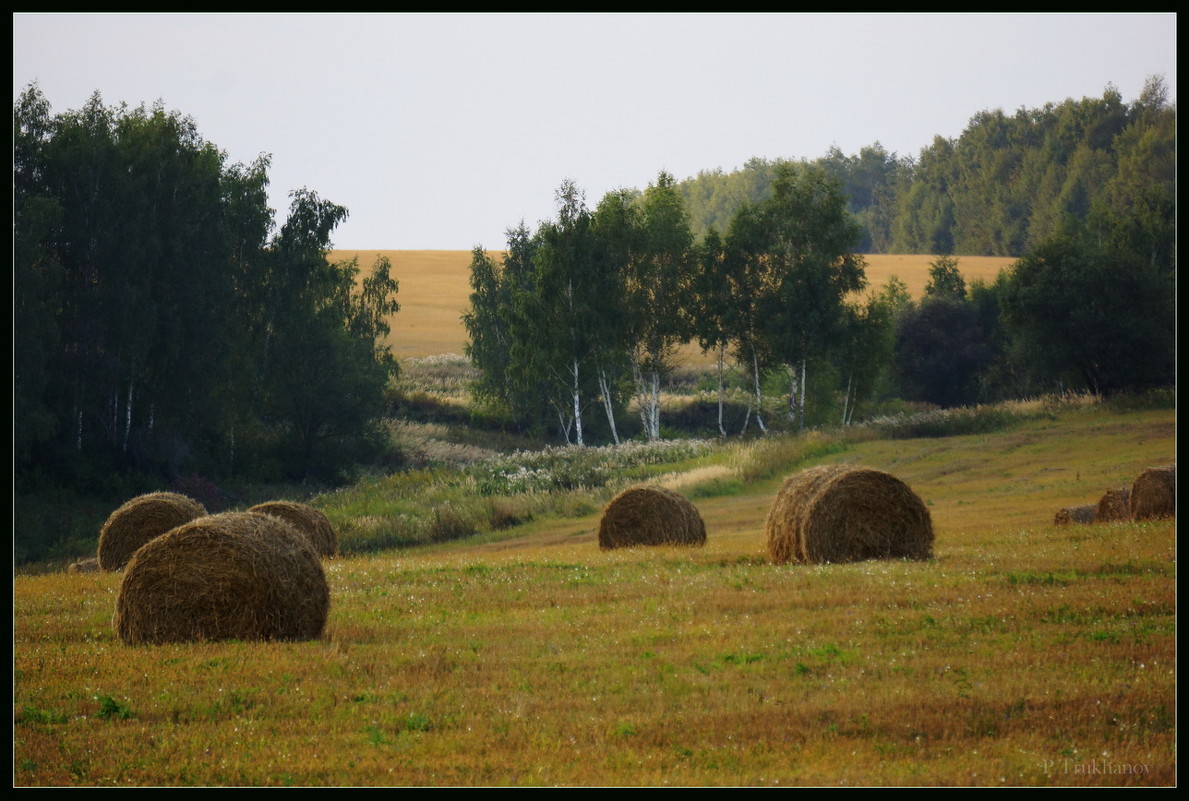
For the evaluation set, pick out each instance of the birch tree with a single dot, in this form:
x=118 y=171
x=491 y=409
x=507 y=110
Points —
x=658 y=288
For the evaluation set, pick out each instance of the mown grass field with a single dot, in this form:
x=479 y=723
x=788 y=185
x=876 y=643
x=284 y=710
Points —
x=1023 y=654
x=435 y=290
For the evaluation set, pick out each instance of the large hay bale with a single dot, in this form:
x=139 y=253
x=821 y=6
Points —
x=140 y=520
x=306 y=519
x=231 y=576
x=1154 y=493
x=848 y=514
x=650 y=515
x=1113 y=506
x=782 y=527
x=1074 y=514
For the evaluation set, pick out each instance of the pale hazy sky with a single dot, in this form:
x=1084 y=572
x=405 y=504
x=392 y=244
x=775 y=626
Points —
x=441 y=131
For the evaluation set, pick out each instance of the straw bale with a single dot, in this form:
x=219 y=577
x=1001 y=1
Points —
x=1154 y=493
x=782 y=527
x=1074 y=514
x=1113 y=506
x=139 y=520
x=231 y=576
x=838 y=513
x=306 y=519
x=650 y=515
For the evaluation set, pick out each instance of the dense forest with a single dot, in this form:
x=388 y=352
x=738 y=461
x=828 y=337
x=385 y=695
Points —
x=162 y=320
x=1007 y=184
x=167 y=328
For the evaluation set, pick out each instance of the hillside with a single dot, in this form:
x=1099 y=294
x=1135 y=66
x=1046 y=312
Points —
x=434 y=290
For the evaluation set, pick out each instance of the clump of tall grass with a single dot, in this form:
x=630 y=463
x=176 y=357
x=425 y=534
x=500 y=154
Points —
x=446 y=374
x=774 y=455
x=419 y=507
x=983 y=419
x=574 y=468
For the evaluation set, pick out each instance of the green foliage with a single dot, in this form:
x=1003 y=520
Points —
x=1093 y=315
x=111 y=709
x=941 y=351
x=945 y=279
x=158 y=330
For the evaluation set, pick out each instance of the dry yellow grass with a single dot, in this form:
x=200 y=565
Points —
x=435 y=290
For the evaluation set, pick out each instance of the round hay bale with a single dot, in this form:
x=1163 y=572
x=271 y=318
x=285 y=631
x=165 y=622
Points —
x=1113 y=506
x=140 y=520
x=862 y=513
x=650 y=515
x=231 y=576
x=306 y=519
x=1154 y=493
x=1074 y=514
x=90 y=565
x=782 y=527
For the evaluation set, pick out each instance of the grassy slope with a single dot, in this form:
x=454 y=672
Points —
x=434 y=290
x=1022 y=655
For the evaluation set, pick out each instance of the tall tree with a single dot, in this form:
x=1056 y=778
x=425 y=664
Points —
x=945 y=279
x=555 y=320
x=1093 y=315
x=618 y=243
x=658 y=294
x=810 y=243
x=746 y=270
x=713 y=302
x=325 y=365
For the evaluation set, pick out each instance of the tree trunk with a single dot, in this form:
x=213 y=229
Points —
x=846 y=397
x=722 y=432
x=577 y=398
x=608 y=407
x=801 y=404
x=759 y=398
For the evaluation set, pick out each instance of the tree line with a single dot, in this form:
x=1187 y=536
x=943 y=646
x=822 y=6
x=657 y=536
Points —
x=164 y=323
x=1008 y=183
x=581 y=319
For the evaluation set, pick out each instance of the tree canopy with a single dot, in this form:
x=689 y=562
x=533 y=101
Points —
x=163 y=324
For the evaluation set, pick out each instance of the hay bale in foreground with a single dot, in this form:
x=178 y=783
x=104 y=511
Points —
x=90 y=565
x=1113 y=506
x=1074 y=514
x=306 y=519
x=782 y=526
x=848 y=514
x=650 y=515
x=236 y=575
x=141 y=519
x=1154 y=493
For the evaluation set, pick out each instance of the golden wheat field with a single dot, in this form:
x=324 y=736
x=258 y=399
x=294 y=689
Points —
x=435 y=287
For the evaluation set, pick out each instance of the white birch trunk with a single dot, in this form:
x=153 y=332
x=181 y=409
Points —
x=801 y=402
x=605 y=389
x=654 y=410
x=759 y=399
x=722 y=432
x=793 y=396
x=577 y=398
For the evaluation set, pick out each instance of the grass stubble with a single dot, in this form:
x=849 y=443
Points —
x=1022 y=654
